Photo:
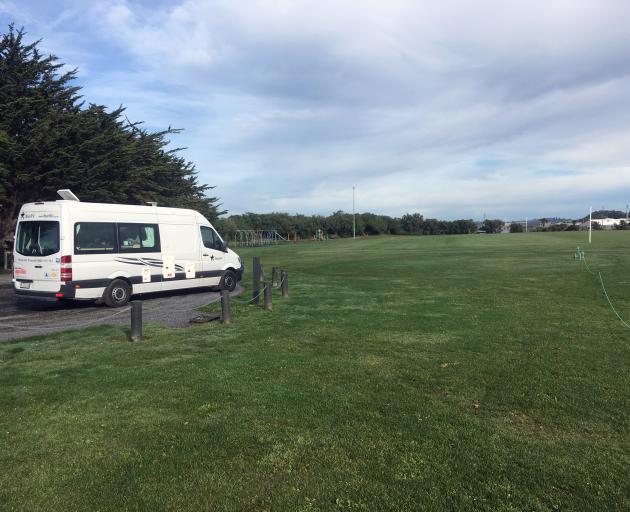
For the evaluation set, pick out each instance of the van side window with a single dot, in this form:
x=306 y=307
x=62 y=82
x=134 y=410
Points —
x=207 y=236
x=95 y=238
x=210 y=239
x=138 y=238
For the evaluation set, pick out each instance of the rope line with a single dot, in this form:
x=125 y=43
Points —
x=104 y=318
x=125 y=310
x=262 y=290
x=588 y=268
x=601 y=282
x=165 y=306
x=267 y=278
x=69 y=326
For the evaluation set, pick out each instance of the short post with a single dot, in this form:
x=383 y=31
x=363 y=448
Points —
x=136 y=321
x=274 y=275
x=226 y=316
x=268 y=304
x=284 y=275
x=256 y=280
x=6 y=260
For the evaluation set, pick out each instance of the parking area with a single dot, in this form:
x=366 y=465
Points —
x=21 y=318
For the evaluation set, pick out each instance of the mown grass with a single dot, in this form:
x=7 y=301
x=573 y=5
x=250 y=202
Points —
x=407 y=373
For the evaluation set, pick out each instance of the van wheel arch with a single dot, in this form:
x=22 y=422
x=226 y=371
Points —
x=117 y=293
x=228 y=281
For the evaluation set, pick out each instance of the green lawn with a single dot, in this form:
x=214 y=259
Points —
x=404 y=373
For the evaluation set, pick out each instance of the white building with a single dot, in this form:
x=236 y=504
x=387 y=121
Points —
x=607 y=223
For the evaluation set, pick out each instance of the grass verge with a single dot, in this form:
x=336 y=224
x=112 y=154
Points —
x=406 y=373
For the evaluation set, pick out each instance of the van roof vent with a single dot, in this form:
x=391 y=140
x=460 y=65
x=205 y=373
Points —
x=66 y=193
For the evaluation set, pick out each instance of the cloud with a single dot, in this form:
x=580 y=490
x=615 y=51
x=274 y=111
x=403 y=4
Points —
x=449 y=108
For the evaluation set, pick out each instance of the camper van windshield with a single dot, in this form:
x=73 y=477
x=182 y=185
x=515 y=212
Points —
x=37 y=238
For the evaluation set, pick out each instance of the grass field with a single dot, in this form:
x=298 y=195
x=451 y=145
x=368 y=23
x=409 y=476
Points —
x=406 y=373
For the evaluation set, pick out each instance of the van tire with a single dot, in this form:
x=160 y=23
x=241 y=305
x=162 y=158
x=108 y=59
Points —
x=117 y=294
x=228 y=281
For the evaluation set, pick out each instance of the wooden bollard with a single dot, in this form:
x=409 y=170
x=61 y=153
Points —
x=135 y=333
x=256 y=281
x=284 y=275
x=268 y=303
x=274 y=275
x=226 y=315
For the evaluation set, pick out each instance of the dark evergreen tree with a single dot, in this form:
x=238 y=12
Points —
x=412 y=223
x=492 y=225
x=50 y=140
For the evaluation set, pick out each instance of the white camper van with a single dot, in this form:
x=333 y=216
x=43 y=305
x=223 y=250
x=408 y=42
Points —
x=68 y=249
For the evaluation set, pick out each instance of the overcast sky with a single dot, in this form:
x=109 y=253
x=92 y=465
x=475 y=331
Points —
x=451 y=109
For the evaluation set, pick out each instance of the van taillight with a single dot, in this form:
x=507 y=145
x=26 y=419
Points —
x=66 y=268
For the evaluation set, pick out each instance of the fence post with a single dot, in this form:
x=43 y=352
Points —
x=136 y=321
x=268 y=303
x=256 y=281
x=274 y=275
x=285 y=284
x=226 y=315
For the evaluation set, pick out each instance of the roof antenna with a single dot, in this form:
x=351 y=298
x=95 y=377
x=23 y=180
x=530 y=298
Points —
x=67 y=194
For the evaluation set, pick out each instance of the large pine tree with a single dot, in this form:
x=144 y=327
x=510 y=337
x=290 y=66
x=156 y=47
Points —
x=50 y=140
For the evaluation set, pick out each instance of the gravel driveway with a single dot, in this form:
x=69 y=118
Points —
x=20 y=318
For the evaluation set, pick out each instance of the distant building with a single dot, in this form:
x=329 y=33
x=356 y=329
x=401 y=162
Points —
x=606 y=223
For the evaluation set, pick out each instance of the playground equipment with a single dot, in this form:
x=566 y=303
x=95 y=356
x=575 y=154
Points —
x=256 y=237
x=320 y=235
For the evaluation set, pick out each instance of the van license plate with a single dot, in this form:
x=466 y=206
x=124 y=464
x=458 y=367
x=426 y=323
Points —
x=25 y=285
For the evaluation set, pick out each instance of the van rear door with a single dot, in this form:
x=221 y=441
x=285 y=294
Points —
x=37 y=254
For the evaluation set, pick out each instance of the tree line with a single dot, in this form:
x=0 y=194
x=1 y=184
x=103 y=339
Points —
x=606 y=214
x=340 y=224
x=51 y=139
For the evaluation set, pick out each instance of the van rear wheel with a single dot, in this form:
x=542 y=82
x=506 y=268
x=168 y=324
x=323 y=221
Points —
x=228 y=281
x=117 y=294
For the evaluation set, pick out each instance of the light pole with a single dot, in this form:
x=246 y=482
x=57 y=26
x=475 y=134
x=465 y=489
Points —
x=590 y=224
x=354 y=223
x=525 y=224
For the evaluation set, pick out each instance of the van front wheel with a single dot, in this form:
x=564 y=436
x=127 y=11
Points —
x=228 y=281
x=117 y=294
